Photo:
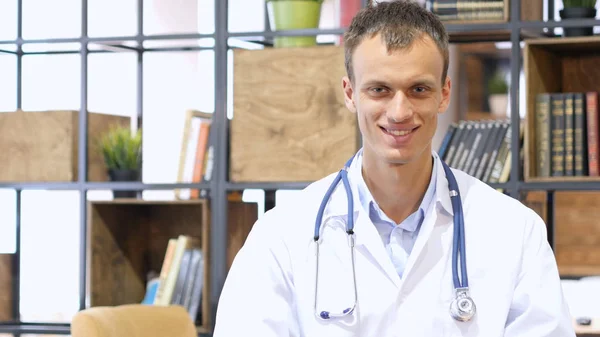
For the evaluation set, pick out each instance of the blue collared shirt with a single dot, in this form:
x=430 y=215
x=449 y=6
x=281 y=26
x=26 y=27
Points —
x=398 y=239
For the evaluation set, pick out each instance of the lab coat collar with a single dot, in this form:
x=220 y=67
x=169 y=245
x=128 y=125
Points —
x=366 y=233
x=339 y=206
x=442 y=190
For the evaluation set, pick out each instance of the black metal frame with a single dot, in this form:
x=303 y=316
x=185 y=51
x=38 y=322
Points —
x=219 y=186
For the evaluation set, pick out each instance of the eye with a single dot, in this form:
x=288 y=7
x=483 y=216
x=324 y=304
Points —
x=420 y=89
x=377 y=90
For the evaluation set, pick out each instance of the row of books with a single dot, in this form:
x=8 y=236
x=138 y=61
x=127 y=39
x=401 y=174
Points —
x=181 y=278
x=197 y=153
x=566 y=134
x=448 y=10
x=479 y=148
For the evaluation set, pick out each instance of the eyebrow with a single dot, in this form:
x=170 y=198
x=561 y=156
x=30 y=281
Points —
x=414 y=82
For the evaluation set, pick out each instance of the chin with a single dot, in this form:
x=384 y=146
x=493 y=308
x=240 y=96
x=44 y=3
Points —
x=397 y=157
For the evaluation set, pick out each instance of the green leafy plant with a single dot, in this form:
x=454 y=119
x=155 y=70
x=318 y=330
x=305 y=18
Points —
x=579 y=3
x=497 y=85
x=121 y=149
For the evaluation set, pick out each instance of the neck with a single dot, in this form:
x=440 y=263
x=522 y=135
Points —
x=398 y=189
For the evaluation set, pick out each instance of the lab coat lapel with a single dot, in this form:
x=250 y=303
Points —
x=369 y=243
x=432 y=218
x=367 y=239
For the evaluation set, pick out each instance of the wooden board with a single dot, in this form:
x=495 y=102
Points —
x=577 y=230
x=42 y=145
x=6 y=287
x=241 y=219
x=290 y=122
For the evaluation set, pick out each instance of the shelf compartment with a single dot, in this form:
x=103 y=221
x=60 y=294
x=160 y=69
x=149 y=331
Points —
x=128 y=238
x=557 y=65
x=42 y=146
x=576 y=229
x=290 y=122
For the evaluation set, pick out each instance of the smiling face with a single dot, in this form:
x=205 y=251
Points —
x=397 y=96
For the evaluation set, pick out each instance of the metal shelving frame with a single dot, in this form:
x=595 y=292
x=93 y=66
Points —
x=219 y=186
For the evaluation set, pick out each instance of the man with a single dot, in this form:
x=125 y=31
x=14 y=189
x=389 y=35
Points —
x=401 y=282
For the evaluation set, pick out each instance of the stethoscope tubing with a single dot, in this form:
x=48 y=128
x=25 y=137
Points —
x=458 y=243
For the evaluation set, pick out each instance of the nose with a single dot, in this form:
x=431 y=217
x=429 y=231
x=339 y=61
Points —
x=399 y=108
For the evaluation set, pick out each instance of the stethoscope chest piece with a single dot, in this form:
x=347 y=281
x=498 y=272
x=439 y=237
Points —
x=462 y=307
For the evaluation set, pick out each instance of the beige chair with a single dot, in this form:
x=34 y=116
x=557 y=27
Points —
x=133 y=320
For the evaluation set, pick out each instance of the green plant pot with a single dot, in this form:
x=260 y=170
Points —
x=294 y=14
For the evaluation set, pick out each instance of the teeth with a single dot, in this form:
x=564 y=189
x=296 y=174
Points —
x=399 y=132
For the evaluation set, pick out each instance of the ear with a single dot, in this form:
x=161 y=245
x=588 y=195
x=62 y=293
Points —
x=446 y=89
x=348 y=94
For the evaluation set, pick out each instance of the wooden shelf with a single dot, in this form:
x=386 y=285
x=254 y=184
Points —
x=556 y=65
x=128 y=238
x=576 y=231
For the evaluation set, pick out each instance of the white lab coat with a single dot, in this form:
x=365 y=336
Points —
x=513 y=276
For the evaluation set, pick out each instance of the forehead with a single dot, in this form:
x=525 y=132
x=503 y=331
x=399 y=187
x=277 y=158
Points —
x=372 y=59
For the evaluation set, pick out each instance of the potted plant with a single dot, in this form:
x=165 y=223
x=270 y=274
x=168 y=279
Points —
x=122 y=153
x=294 y=14
x=578 y=9
x=498 y=95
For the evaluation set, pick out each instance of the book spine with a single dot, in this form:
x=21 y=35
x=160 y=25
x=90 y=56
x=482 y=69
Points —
x=592 y=133
x=543 y=135
x=558 y=135
x=569 y=145
x=581 y=167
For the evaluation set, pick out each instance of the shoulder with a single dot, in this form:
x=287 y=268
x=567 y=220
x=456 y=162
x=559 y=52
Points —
x=294 y=215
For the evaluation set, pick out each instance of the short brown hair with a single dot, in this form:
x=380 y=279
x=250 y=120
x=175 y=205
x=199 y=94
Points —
x=400 y=22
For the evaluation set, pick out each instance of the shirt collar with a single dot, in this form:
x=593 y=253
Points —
x=435 y=186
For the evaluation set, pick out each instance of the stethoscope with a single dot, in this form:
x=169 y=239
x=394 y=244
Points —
x=462 y=307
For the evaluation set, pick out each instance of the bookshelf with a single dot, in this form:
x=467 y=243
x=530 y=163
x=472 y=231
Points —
x=224 y=231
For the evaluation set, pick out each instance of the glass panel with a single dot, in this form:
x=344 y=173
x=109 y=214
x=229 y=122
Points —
x=51 y=47
x=8 y=222
x=122 y=15
x=189 y=44
x=49 y=256
x=174 y=82
x=112 y=83
x=246 y=15
x=250 y=16
x=51 y=82
x=8 y=20
x=8 y=82
x=180 y=17
x=65 y=21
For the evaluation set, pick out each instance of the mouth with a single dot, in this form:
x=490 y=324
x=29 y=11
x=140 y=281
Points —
x=399 y=132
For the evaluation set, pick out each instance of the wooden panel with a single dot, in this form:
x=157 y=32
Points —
x=581 y=73
x=241 y=218
x=42 y=145
x=6 y=287
x=577 y=231
x=289 y=121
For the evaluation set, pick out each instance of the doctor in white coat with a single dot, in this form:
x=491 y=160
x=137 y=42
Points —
x=397 y=84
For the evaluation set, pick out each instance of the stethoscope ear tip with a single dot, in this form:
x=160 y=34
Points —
x=324 y=315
